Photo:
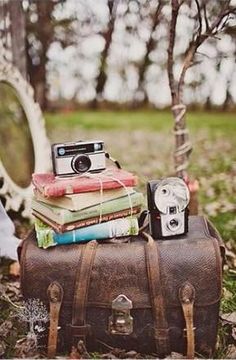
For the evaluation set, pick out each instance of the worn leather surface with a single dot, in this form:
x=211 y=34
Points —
x=120 y=268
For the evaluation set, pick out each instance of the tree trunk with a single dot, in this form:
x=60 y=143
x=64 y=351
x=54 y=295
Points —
x=150 y=45
x=102 y=75
x=228 y=99
x=180 y=157
x=45 y=33
x=18 y=35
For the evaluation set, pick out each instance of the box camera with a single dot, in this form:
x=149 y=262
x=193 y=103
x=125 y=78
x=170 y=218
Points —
x=167 y=203
x=78 y=157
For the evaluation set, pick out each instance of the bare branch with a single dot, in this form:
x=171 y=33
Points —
x=170 y=60
x=205 y=17
x=199 y=18
x=182 y=143
x=219 y=23
x=187 y=63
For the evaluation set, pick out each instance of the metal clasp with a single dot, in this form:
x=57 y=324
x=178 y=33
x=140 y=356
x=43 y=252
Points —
x=121 y=322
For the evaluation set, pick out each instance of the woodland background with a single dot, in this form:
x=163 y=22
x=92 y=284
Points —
x=114 y=53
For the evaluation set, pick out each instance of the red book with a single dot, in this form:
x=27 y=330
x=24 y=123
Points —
x=50 y=185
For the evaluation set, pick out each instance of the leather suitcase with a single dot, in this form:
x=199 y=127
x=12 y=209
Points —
x=133 y=293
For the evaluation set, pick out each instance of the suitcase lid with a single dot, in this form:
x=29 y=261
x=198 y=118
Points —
x=120 y=268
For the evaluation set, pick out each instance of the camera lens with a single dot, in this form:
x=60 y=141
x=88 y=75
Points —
x=173 y=224
x=81 y=163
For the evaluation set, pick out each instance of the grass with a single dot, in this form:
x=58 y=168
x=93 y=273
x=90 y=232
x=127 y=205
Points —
x=152 y=120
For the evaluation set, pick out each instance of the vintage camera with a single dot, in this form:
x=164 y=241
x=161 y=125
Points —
x=73 y=158
x=167 y=203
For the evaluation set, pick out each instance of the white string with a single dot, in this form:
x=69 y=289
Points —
x=107 y=176
x=183 y=150
x=101 y=200
x=127 y=192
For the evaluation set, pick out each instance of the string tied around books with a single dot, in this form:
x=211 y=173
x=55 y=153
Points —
x=105 y=175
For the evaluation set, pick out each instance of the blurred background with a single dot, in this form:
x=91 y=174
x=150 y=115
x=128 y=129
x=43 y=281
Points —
x=99 y=71
x=113 y=53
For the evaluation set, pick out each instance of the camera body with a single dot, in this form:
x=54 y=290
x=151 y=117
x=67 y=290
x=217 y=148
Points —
x=167 y=203
x=73 y=158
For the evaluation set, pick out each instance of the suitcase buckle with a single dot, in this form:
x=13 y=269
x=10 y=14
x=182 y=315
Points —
x=121 y=322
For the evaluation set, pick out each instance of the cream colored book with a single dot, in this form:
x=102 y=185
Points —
x=81 y=201
x=65 y=216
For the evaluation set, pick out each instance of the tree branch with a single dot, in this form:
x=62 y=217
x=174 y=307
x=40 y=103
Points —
x=200 y=38
x=170 y=60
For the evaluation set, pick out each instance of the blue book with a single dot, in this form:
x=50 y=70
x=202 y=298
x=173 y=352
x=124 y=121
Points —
x=47 y=237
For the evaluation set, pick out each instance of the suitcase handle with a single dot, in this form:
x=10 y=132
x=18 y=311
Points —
x=161 y=329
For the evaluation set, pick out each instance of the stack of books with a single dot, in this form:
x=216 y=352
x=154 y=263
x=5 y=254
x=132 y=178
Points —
x=85 y=207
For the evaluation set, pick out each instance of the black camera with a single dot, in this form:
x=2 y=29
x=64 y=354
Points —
x=78 y=157
x=168 y=201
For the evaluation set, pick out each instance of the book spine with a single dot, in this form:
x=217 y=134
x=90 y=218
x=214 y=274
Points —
x=63 y=216
x=57 y=190
x=97 y=220
x=105 y=208
x=87 y=222
x=78 y=202
x=115 y=228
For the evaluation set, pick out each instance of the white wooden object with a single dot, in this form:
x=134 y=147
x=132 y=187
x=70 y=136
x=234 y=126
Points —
x=15 y=195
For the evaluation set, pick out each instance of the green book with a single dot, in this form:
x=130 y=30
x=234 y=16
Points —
x=47 y=237
x=64 y=216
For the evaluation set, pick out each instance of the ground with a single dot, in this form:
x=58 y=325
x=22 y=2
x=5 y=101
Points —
x=143 y=143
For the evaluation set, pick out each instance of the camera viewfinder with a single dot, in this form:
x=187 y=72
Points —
x=172 y=210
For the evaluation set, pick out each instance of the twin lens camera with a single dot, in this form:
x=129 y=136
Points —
x=168 y=201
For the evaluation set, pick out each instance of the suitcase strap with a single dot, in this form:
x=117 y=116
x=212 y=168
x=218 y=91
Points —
x=161 y=330
x=186 y=296
x=78 y=328
x=55 y=296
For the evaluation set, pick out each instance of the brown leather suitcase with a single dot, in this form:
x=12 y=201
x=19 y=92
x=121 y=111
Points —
x=135 y=293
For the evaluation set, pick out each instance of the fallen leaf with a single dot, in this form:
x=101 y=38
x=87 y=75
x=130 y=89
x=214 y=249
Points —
x=227 y=294
x=175 y=355
x=234 y=333
x=229 y=317
x=230 y=253
x=5 y=328
x=74 y=354
x=82 y=351
x=26 y=348
x=2 y=289
x=2 y=348
x=131 y=354
x=109 y=356
x=14 y=269
x=231 y=352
